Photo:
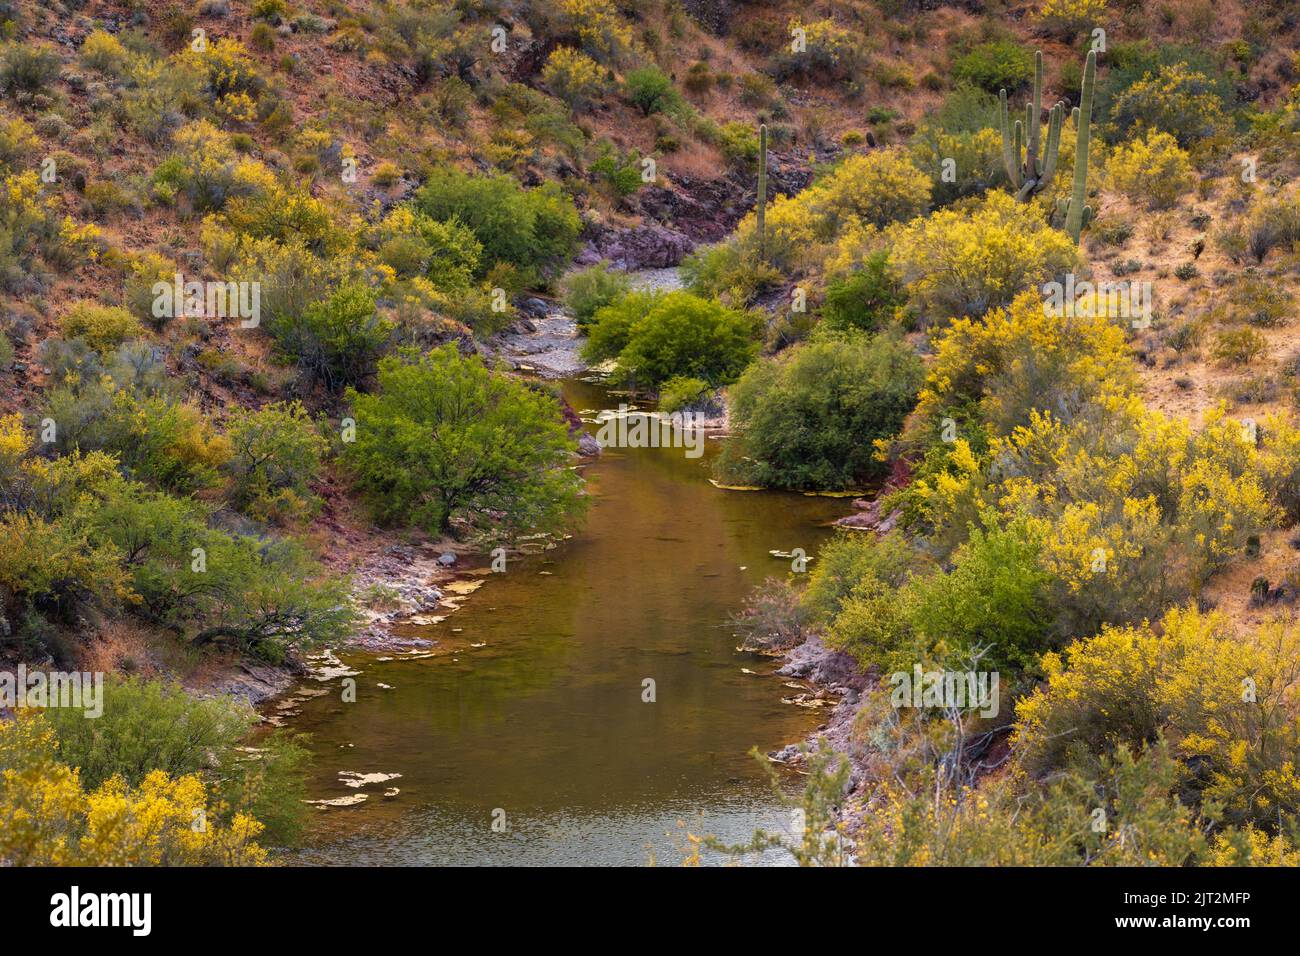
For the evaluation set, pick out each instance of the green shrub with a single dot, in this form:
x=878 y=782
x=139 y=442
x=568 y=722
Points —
x=1176 y=100
x=589 y=290
x=650 y=90
x=656 y=337
x=1239 y=346
x=146 y=726
x=681 y=392
x=867 y=299
x=276 y=453
x=808 y=418
x=27 y=69
x=102 y=327
x=444 y=443
x=1000 y=64
x=335 y=342
x=535 y=230
x=156 y=439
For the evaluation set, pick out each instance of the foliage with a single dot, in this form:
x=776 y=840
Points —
x=807 y=419
x=999 y=64
x=337 y=341
x=589 y=290
x=444 y=443
x=867 y=299
x=1225 y=704
x=1176 y=100
x=1068 y=18
x=534 y=230
x=276 y=452
x=651 y=90
x=574 y=77
x=655 y=337
x=49 y=818
x=1153 y=170
x=102 y=327
x=967 y=261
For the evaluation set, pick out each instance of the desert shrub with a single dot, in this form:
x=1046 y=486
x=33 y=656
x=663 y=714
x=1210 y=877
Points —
x=1153 y=170
x=876 y=188
x=206 y=171
x=976 y=157
x=867 y=299
x=445 y=443
x=271 y=211
x=27 y=69
x=574 y=77
x=103 y=53
x=809 y=418
x=656 y=337
x=18 y=142
x=154 y=437
x=650 y=90
x=53 y=821
x=994 y=604
x=831 y=51
x=148 y=726
x=860 y=194
x=1176 y=100
x=1068 y=18
x=1239 y=346
x=589 y=290
x=725 y=272
x=335 y=342
x=993 y=66
x=412 y=244
x=1224 y=702
x=276 y=453
x=1260 y=303
x=535 y=230
x=1023 y=359
x=965 y=262
x=102 y=327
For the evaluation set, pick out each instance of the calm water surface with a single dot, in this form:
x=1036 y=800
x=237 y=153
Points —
x=546 y=721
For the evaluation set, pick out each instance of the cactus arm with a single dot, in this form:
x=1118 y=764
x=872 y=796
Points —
x=1077 y=214
x=1053 y=147
x=1035 y=113
x=1008 y=159
x=1019 y=141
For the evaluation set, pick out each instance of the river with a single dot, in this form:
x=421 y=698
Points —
x=532 y=714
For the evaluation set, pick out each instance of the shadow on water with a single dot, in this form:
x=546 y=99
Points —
x=546 y=720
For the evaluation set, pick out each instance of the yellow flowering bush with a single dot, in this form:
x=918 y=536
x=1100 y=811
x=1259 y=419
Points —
x=1226 y=703
x=48 y=819
x=968 y=260
x=1153 y=170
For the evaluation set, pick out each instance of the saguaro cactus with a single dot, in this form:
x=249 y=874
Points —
x=1029 y=172
x=1077 y=213
x=760 y=209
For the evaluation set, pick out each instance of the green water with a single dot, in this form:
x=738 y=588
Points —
x=546 y=720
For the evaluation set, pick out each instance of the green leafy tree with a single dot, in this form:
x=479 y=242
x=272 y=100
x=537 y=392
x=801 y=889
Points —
x=446 y=443
x=656 y=337
x=808 y=418
x=535 y=230
x=275 y=453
